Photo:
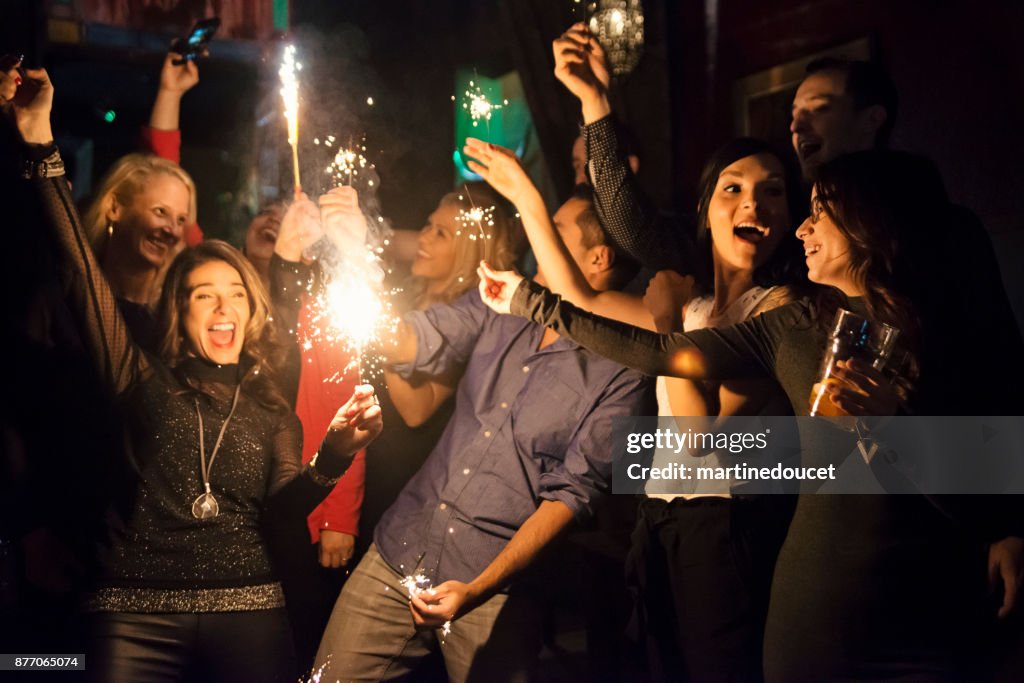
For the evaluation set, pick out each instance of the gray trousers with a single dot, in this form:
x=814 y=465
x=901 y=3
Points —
x=371 y=635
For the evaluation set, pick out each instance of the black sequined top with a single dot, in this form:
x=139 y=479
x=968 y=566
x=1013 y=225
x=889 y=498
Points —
x=162 y=558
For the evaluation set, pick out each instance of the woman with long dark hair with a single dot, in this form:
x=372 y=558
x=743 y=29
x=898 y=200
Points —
x=866 y=587
x=186 y=590
x=743 y=262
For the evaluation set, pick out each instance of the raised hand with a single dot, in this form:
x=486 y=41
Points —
x=300 y=229
x=500 y=168
x=343 y=220
x=497 y=287
x=358 y=422
x=32 y=104
x=581 y=67
x=666 y=294
x=178 y=78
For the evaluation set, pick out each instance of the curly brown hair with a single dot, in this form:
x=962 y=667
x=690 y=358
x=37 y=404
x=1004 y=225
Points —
x=262 y=354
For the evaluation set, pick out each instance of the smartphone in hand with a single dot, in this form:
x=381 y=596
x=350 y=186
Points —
x=195 y=43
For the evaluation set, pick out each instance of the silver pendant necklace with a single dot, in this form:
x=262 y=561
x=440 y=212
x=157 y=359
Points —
x=205 y=506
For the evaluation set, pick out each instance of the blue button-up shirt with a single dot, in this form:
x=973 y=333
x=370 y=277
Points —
x=530 y=424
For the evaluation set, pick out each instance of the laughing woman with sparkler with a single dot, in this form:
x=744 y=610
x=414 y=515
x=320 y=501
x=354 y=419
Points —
x=186 y=589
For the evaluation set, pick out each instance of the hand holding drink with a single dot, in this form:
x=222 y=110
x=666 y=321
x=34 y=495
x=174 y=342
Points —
x=851 y=381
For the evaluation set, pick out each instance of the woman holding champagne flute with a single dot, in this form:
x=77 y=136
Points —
x=866 y=587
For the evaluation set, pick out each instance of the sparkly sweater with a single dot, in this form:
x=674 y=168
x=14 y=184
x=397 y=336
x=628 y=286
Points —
x=162 y=558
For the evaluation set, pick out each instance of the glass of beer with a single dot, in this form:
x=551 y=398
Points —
x=856 y=337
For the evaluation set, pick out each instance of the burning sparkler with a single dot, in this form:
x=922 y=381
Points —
x=347 y=162
x=477 y=104
x=353 y=313
x=352 y=310
x=477 y=216
x=290 y=96
x=418 y=583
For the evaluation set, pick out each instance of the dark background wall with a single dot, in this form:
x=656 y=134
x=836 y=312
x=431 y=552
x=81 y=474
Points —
x=960 y=73
x=957 y=64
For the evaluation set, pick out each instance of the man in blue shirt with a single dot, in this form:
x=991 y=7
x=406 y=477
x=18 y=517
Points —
x=527 y=452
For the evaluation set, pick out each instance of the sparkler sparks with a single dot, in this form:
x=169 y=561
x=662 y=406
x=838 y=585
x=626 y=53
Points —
x=290 y=97
x=477 y=104
x=351 y=312
x=475 y=217
x=347 y=162
x=418 y=583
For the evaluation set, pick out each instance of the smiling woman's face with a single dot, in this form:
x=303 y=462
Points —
x=218 y=312
x=435 y=255
x=748 y=213
x=827 y=250
x=261 y=236
x=150 y=224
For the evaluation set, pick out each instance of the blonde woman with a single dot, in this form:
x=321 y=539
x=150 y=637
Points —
x=449 y=250
x=136 y=226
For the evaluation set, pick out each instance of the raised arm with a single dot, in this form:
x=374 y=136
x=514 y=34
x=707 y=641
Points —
x=625 y=211
x=162 y=136
x=175 y=81
x=289 y=279
x=744 y=350
x=505 y=174
x=118 y=360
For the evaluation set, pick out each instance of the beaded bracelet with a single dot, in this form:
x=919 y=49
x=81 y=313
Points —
x=50 y=167
x=318 y=478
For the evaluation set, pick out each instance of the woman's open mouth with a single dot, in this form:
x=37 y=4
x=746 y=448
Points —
x=222 y=334
x=750 y=233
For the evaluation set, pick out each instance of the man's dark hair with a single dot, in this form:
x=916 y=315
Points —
x=594 y=235
x=868 y=84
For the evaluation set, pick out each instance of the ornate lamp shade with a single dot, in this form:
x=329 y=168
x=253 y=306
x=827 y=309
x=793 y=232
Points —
x=619 y=26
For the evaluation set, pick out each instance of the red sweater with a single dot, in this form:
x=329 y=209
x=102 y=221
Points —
x=320 y=396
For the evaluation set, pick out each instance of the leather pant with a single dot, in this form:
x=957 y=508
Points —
x=214 y=647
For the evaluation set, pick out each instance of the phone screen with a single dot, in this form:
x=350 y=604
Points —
x=201 y=34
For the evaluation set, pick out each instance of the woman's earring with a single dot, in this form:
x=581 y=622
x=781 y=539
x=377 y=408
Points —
x=110 y=228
